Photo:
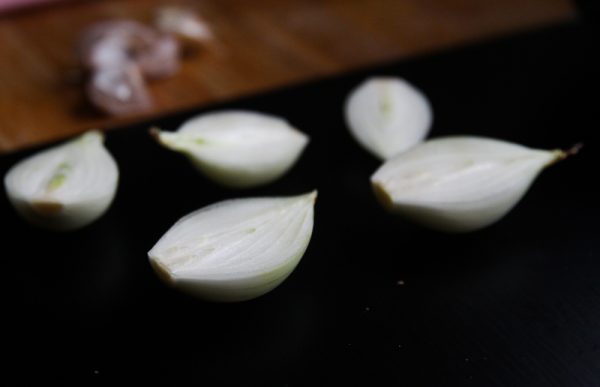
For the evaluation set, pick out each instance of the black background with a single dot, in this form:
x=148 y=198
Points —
x=516 y=304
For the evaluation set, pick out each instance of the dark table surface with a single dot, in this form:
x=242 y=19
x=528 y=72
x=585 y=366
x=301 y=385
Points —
x=376 y=300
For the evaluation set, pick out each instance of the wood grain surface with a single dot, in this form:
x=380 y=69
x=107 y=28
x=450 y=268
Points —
x=259 y=45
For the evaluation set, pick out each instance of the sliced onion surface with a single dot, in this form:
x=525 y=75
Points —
x=387 y=116
x=65 y=187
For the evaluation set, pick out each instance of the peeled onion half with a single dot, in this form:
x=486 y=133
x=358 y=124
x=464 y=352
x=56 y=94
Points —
x=65 y=187
x=459 y=184
x=235 y=250
x=238 y=149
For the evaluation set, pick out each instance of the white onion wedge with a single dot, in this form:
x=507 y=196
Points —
x=64 y=187
x=235 y=250
x=238 y=149
x=387 y=116
x=459 y=184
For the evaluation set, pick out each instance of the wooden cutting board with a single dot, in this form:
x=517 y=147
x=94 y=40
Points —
x=259 y=45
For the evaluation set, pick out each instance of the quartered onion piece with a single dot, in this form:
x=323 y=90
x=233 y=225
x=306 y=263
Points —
x=237 y=148
x=65 y=187
x=387 y=116
x=235 y=250
x=460 y=184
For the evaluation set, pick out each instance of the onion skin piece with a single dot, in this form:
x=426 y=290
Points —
x=121 y=55
x=116 y=43
x=184 y=23
x=119 y=90
x=459 y=184
x=235 y=250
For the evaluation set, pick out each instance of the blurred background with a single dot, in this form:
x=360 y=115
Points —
x=255 y=46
